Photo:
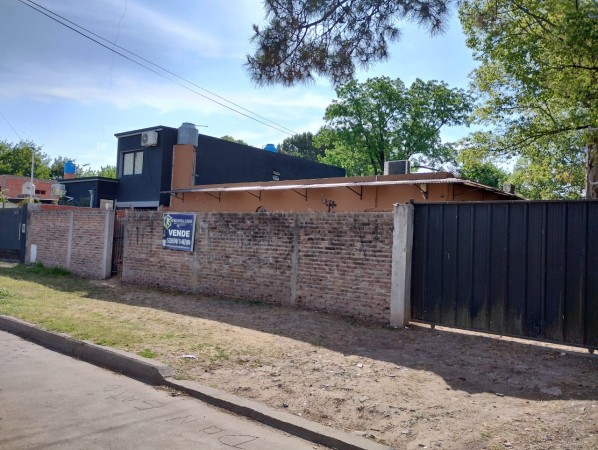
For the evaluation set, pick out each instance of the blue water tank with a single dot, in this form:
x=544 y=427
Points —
x=270 y=148
x=69 y=168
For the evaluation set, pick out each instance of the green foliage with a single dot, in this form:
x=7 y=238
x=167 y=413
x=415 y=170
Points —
x=232 y=139
x=3 y=198
x=147 y=353
x=39 y=269
x=477 y=165
x=538 y=75
x=107 y=171
x=382 y=120
x=302 y=146
x=304 y=38
x=551 y=171
x=351 y=158
x=15 y=159
x=538 y=59
x=57 y=167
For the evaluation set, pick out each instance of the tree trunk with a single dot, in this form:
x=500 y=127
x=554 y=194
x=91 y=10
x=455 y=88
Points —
x=592 y=171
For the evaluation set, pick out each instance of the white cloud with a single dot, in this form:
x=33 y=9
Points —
x=129 y=89
x=163 y=28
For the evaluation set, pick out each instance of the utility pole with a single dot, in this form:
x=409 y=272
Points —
x=32 y=189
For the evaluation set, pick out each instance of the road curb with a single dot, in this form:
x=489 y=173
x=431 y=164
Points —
x=155 y=373
x=128 y=364
x=289 y=423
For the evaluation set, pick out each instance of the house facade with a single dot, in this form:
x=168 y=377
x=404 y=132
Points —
x=145 y=165
x=11 y=187
x=342 y=194
x=93 y=192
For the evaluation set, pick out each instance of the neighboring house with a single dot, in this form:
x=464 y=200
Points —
x=94 y=192
x=145 y=165
x=373 y=193
x=12 y=188
x=144 y=169
x=153 y=171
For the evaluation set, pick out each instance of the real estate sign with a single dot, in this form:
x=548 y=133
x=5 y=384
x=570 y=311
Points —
x=178 y=232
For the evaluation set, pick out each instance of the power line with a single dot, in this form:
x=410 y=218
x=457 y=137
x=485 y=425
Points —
x=50 y=14
x=39 y=9
x=11 y=127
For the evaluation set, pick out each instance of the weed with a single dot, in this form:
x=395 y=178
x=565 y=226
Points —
x=147 y=353
x=5 y=293
x=219 y=354
x=39 y=269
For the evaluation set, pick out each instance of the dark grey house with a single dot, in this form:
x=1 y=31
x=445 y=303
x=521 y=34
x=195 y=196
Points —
x=144 y=168
x=94 y=192
x=144 y=165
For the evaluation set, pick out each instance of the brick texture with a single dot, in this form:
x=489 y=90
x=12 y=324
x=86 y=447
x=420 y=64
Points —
x=338 y=263
x=51 y=230
x=345 y=263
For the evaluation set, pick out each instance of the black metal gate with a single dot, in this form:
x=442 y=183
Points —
x=526 y=269
x=118 y=244
x=13 y=225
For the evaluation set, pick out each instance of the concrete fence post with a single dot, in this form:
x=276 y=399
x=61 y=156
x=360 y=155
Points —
x=69 y=241
x=402 y=243
x=106 y=264
x=294 y=261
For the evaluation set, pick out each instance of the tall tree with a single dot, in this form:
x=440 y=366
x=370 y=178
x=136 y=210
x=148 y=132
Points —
x=381 y=120
x=538 y=75
x=302 y=146
x=553 y=170
x=15 y=159
x=304 y=38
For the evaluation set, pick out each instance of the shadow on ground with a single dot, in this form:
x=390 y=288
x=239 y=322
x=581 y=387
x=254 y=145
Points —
x=470 y=362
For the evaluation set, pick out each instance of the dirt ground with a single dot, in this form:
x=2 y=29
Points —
x=413 y=388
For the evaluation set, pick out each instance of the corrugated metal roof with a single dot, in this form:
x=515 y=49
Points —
x=280 y=187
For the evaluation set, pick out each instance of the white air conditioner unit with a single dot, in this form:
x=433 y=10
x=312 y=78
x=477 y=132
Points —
x=149 y=138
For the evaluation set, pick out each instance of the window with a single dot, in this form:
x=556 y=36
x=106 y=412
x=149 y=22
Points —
x=133 y=163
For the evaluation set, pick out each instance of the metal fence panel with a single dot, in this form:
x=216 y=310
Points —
x=526 y=269
x=10 y=233
x=118 y=244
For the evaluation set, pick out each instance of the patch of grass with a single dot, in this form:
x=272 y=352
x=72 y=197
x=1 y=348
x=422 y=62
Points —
x=486 y=434
x=39 y=269
x=219 y=354
x=147 y=353
x=86 y=310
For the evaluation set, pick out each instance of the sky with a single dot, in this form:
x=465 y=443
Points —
x=70 y=96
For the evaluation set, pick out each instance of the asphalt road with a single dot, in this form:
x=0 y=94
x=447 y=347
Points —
x=51 y=401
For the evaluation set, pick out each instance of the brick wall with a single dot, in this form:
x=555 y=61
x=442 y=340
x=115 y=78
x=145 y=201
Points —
x=345 y=264
x=339 y=263
x=12 y=186
x=79 y=240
